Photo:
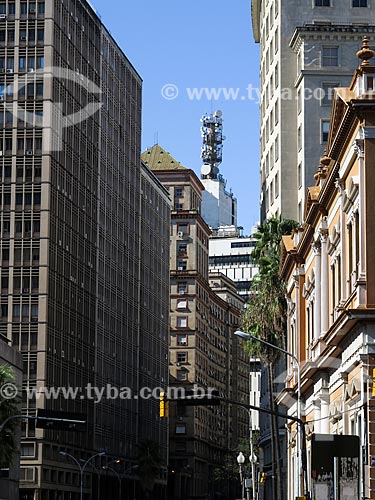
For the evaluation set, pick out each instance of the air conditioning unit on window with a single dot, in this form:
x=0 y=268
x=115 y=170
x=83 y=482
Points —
x=9 y=70
x=180 y=234
x=32 y=9
x=178 y=364
x=180 y=268
x=29 y=152
x=31 y=70
x=23 y=38
x=25 y=290
x=3 y=17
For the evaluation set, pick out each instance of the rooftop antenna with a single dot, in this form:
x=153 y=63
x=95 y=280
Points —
x=156 y=138
x=212 y=149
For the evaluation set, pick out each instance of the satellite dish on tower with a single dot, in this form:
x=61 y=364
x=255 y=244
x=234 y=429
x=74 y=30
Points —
x=206 y=169
x=218 y=113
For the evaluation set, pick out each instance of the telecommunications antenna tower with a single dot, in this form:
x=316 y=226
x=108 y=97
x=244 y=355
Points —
x=212 y=149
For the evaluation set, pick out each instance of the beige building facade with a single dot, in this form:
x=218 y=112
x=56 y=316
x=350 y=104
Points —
x=204 y=313
x=329 y=268
x=306 y=49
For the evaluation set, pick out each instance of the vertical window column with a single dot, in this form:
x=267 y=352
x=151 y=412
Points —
x=324 y=279
x=340 y=184
x=317 y=316
x=361 y=224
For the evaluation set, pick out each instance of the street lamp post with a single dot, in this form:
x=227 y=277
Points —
x=241 y=461
x=248 y=336
x=107 y=467
x=81 y=466
x=252 y=458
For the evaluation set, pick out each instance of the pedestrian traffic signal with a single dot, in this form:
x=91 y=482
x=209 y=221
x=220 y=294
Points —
x=263 y=476
x=163 y=405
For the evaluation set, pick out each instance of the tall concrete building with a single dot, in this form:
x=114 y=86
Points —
x=204 y=313
x=81 y=280
x=306 y=48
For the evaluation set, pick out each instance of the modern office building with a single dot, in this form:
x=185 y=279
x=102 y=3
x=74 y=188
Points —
x=328 y=267
x=204 y=313
x=306 y=48
x=230 y=254
x=80 y=285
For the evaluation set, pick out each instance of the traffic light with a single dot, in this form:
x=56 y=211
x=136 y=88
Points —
x=163 y=405
x=263 y=476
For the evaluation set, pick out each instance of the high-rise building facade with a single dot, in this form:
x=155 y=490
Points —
x=306 y=49
x=73 y=238
x=204 y=313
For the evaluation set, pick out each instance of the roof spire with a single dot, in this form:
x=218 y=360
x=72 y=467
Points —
x=366 y=53
x=323 y=167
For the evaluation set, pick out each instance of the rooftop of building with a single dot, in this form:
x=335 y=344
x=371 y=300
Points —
x=157 y=158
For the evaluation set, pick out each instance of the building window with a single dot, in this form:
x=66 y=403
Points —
x=359 y=3
x=182 y=265
x=299 y=138
x=330 y=56
x=178 y=206
x=182 y=322
x=180 y=428
x=299 y=175
x=327 y=93
x=276 y=148
x=179 y=192
x=28 y=450
x=182 y=288
x=182 y=375
x=182 y=228
x=277 y=185
x=299 y=101
x=322 y=3
x=325 y=131
x=182 y=357
x=182 y=304
x=182 y=339
x=182 y=248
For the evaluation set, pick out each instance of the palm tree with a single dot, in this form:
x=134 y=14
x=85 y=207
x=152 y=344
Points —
x=265 y=317
x=149 y=463
x=8 y=408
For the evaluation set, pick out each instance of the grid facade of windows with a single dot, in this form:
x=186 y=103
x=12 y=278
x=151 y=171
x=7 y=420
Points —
x=75 y=243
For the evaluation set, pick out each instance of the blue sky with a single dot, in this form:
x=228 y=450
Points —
x=195 y=45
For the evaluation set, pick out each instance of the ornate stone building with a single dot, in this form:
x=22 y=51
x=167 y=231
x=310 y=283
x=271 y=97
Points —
x=329 y=268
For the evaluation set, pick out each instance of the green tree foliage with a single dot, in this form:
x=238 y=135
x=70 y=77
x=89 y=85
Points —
x=265 y=313
x=8 y=408
x=229 y=469
x=265 y=317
